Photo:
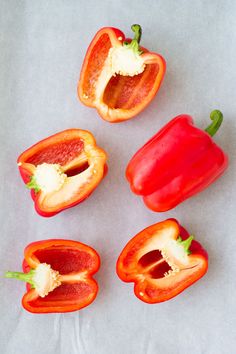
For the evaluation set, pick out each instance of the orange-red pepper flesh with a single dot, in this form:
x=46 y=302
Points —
x=76 y=263
x=75 y=150
x=142 y=263
x=117 y=98
x=60 y=153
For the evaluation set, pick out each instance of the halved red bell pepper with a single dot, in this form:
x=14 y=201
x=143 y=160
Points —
x=119 y=78
x=176 y=163
x=162 y=261
x=59 y=276
x=69 y=166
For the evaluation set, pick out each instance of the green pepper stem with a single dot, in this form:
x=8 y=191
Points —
x=134 y=44
x=186 y=243
x=217 y=118
x=137 y=32
x=32 y=184
x=27 y=277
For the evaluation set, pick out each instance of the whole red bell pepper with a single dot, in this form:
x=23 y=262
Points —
x=62 y=170
x=58 y=275
x=119 y=78
x=176 y=163
x=162 y=261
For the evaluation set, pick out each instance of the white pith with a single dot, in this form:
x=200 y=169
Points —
x=124 y=61
x=174 y=269
x=49 y=177
x=45 y=279
x=76 y=182
x=72 y=186
x=171 y=250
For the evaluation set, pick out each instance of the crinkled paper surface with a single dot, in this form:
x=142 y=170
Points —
x=42 y=45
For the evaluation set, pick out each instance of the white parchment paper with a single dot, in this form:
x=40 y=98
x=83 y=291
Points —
x=42 y=46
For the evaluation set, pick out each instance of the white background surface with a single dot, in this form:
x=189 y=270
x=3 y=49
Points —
x=42 y=48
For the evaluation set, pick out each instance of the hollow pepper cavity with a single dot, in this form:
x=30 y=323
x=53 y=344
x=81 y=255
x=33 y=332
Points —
x=58 y=274
x=62 y=170
x=176 y=163
x=162 y=261
x=119 y=77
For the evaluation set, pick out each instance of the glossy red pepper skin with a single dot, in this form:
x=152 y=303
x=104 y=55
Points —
x=142 y=263
x=117 y=98
x=75 y=150
x=76 y=262
x=179 y=161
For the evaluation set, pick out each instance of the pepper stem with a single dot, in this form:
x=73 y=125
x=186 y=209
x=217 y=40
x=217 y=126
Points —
x=137 y=32
x=217 y=118
x=186 y=243
x=134 y=44
x=27 y=277
x=32 y=184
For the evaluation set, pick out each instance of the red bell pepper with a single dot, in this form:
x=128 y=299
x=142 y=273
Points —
x=176 y=163
x=62 y=170
x=58 y=275
x=119 y=78
x=162 y=261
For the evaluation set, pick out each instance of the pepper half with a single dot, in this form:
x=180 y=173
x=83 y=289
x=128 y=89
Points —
x=62 y=170
x=162 y=261
x=176 y=163
x=58 y=275
x=119 y=78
